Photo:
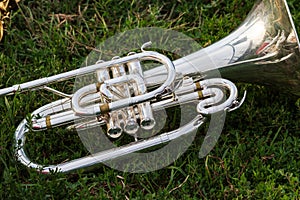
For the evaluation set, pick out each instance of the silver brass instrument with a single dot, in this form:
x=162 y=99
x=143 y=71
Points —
x=264 y=50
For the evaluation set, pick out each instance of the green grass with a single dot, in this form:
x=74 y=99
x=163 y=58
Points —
x=256 y=157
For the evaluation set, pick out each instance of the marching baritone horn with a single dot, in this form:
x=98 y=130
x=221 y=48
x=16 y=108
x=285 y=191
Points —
x=264 y=50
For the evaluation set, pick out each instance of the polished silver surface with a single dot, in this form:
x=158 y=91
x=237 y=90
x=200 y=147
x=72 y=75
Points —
x=101 y=156
x=264 y=50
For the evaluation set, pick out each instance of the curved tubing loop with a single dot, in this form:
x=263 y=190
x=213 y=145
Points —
x=20 y=137
x=165 y=88
x=40 y=83
x=216 y=95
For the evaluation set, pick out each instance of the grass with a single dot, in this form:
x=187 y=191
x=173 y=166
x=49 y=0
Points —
x=256 y=157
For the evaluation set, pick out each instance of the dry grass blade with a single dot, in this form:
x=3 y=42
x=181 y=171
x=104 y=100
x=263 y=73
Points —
x=3 y=15
x=5 y=6
x=181 y=184
x=1 y=30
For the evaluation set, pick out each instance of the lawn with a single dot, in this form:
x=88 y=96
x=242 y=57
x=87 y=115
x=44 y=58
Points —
x=256 y=157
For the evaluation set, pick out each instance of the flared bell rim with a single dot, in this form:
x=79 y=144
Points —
x=292 y=22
